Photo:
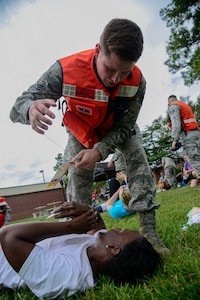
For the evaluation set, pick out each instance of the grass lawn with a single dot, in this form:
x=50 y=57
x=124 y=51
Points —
x=179 y=278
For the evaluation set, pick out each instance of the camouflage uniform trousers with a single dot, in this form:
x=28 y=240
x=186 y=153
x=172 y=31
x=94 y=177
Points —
x=139 y=175
x=170 y=172
x=119 y=161
x=191 y=147
x=80 y=181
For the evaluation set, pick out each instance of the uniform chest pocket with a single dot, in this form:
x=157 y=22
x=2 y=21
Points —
x=91 y=113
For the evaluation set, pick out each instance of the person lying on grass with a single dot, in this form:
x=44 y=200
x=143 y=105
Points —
x=117 y=205
x=56 y=259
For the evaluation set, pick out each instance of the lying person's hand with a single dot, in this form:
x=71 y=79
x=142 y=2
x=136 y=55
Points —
x=84 y=222
x=71 y=209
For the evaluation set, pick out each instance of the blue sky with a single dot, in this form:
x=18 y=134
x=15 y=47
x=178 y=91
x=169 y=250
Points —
x=34 y=34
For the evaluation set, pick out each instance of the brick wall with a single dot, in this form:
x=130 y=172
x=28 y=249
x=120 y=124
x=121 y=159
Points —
x=23 y=205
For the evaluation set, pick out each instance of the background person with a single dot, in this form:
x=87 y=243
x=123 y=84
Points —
x=189 y=173
x=60 y=257
x=119 y=209
x=119 y=163
x=162 y=183
x=5 y=212
x=169 y=167
x=104 y=91
x=186 y=130
x=117 y=205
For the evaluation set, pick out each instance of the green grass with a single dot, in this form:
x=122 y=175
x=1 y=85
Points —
x=179 y=278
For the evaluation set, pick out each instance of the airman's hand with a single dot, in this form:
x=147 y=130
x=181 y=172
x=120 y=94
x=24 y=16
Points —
x=86 y=159
x=39 y=114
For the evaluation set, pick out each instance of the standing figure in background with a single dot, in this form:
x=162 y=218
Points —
x=185 y=129
x=169 y=167
x=118 y=161
x=5 y=212
x=104 y=92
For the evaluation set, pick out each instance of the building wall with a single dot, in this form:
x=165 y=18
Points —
x=23 y=205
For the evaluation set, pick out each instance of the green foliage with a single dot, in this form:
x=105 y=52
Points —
x=197 y=110
x=59 y=160
x=183 y=16
x=179 y=277
x=157 y=141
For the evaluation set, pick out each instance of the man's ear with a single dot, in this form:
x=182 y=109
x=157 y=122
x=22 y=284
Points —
x=97 y=50
x=113 y=250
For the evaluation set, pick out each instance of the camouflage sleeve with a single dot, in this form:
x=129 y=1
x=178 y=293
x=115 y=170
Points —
x=174 y=113
x=123 y=127
x=115 y=156
x=48 y=86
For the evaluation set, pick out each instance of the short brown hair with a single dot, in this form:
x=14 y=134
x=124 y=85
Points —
x=124 y=38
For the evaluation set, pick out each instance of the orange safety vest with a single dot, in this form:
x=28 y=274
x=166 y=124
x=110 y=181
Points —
x=188 y=120
x=88 y=115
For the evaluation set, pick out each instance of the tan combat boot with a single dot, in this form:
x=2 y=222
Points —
x=148 y=230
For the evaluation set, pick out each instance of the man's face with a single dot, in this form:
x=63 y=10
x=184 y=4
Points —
x=111 y=69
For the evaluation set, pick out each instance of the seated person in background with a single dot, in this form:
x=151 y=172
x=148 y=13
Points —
x=181 y=178
x=189 y=173
x=162 y=183
x=58 y=259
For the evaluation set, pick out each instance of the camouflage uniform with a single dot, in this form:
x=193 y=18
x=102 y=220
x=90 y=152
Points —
x=120 y=136
x=170 y=171
x=190 y=140
x=118 y=160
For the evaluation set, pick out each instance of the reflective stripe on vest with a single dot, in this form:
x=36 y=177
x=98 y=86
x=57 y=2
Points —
x=84 y=93
x=96 y=95
x=189 y=120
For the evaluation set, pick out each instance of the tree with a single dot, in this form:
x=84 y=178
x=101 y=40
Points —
x=183 y=16
x=59 y=160
x=157 y=142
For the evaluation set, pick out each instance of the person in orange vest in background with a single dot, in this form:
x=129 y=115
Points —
x=185 y=129
x=5 y=212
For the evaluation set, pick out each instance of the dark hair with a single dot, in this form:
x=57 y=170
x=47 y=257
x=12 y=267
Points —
x=124 y=38
x=172 y=96
x=136 y=260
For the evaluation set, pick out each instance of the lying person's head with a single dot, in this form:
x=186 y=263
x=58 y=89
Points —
x=129 y=256
x=124 y=194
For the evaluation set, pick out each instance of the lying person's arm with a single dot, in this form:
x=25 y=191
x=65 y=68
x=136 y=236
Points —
x=18 y=240
x=74 y=209
x=112 y=200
